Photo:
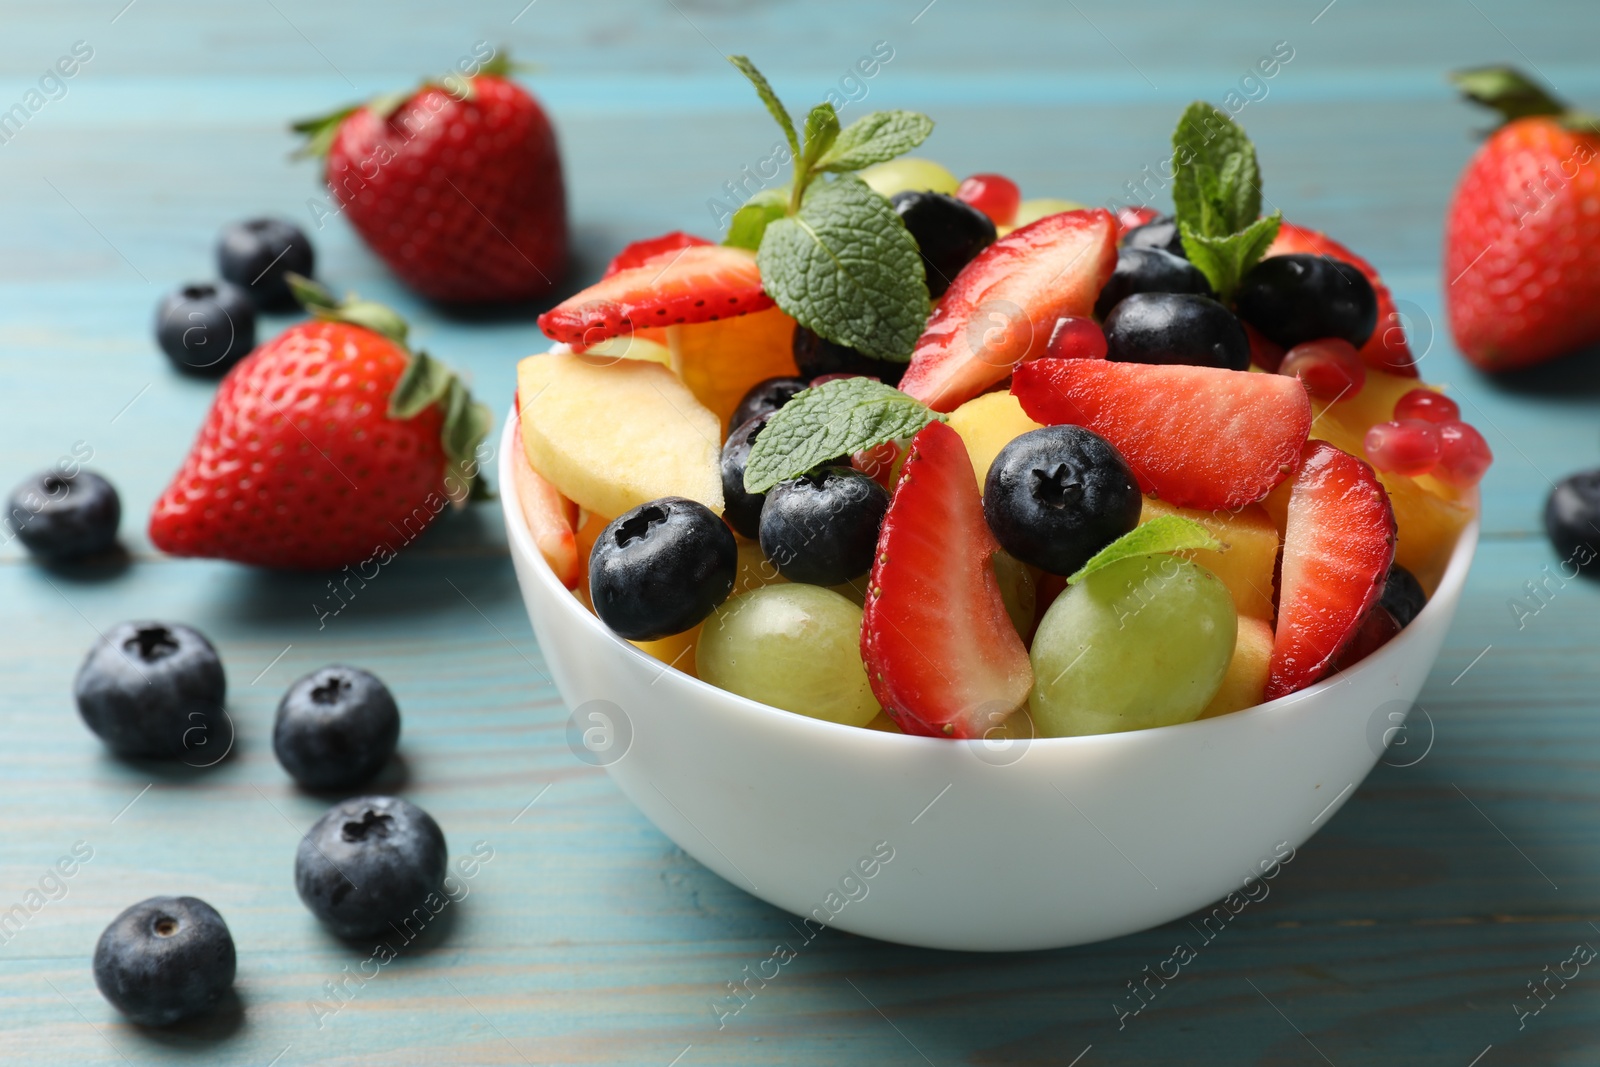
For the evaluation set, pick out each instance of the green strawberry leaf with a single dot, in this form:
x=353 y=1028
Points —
x=770 y=98
x=1224 y=260
x=320 y=132
x=845 y=267
x=832 y=419
x=1217 y=188
x=749 y=223
x=1506 y=90
x=1164 y=533
x=875 y=138
x=426 y=381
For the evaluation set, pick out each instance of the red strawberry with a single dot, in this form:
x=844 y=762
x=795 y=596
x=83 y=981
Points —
x=1386 y=349
x=1338 y=544
x=329 y=445
x=1001 y=308
x=941 y=653
x=1197 y=437
x=639 y=251
x=1522 y=238
x=695 y=283
x=1131 y=217
x=458 y=190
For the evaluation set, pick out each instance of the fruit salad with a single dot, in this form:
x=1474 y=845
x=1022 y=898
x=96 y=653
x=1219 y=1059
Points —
x=919 y=455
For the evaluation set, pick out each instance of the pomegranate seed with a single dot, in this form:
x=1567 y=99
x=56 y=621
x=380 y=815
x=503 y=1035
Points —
x=1410 y=447
x=1330 y=368
x=993 y=194
x=1263 y=353
x=1076 y=338
x=1463 y=454
x=1427 y=405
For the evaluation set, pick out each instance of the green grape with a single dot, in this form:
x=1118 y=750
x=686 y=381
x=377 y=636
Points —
x=908 y=173
x=1034 y=210
x=796 y=647
x=1143 y=642
x=1016 y=589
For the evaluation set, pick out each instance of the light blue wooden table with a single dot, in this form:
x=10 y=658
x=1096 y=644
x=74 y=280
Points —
x=1404 y=933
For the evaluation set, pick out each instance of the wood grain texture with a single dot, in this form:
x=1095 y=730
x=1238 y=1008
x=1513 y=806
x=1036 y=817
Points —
x=1402 y=934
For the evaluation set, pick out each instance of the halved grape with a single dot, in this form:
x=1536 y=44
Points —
x=796 y=647
x=909 y=174
x=1142 y=642
x=1016 y=589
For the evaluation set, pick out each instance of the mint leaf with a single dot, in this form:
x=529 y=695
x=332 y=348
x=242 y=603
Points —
x=822 y=129
x=833 y=419
x=1217 y=188
x=876 y=138
x=845 y=267
x=1164 y=533
x=750 y=221
x=770 y=98
x=1224 y=260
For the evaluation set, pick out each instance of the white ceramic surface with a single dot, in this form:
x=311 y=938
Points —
x=1053 y=842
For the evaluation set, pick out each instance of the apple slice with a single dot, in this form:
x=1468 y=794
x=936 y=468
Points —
x=1002 y=306
x=611 y=434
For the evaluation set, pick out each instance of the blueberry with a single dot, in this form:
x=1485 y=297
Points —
x=949 y=233
x=1149 y=270
x=153 y=689
x=816 y=357
x=1402 y=595
x=822 y=528
x=257 y=253
x=1056 y=496
x=662 y=567
x=206 y=327
x=1572 y=520
x=60 y=517
x=741 y=509
x=1160 y=232
x=371 y=862
x=1301 y=297
x=1176 y=328
x=165 y=959
x=765 y=397
x=336 y=728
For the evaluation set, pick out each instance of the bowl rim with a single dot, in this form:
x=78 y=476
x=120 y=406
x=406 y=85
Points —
x=521 y=541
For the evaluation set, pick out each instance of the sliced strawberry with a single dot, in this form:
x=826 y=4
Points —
x=640 y=251
x=1001 y=308
x=1131 y=217
x=941 y=653
x=1386 y=349
x=697 y=283
x=1197 y=437
x=1338 y=544
x=551 y=519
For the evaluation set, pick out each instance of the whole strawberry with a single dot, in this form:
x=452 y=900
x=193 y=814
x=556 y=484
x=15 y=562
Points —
x=458 y=188
x=1522 y=238
x=330 y=445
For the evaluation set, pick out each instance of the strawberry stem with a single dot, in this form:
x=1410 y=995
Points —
x=1507 y=90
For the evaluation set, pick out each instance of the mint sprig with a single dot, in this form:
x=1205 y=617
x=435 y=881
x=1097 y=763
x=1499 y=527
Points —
x=833 y=254
x=1164 y=533
x=1216 y=194
x=833 y=419
x=846 y=267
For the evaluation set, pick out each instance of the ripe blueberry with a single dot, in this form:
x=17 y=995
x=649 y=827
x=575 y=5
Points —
x=1301 y=297
x=816 y=357
x=256 y=255
x=164 y=960
x=1176 y=328
x=153 y=689
x=660 y=568
x=764 y=398
x=1149 y=270
x=371 y=862
x=1572 y=520
x=336 y=728
x=949 y=233
x=1160 y=232
x=1057 y=495
x=206 y=327
x=822 y=528
x=1402 y=595
x=61 y=517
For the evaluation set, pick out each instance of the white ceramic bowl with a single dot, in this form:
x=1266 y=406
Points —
x=971 y=845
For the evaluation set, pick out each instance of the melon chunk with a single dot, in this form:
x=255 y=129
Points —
x=987 y=424
x=1246 y=565
x=1246 y=681
x=611 y=434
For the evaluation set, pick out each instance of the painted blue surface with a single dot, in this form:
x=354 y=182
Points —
x=1404 y=933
